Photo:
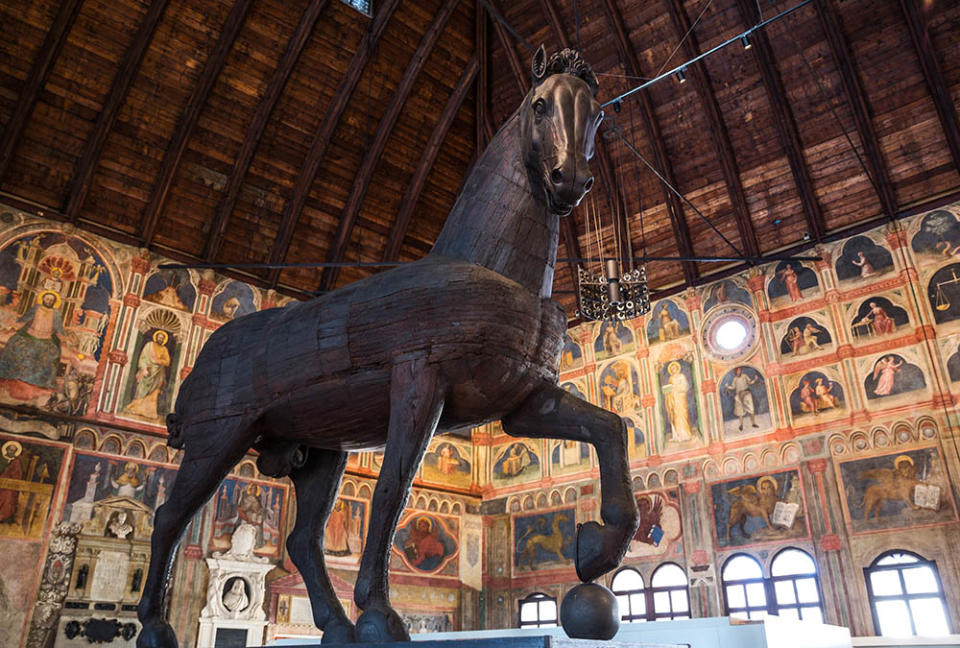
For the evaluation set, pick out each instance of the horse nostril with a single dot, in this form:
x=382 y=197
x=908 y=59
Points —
x=588 y=184
x=556 y=176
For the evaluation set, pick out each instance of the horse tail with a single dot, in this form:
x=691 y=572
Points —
x=174 y=431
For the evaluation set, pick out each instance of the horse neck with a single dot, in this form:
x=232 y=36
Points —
x=498 y=222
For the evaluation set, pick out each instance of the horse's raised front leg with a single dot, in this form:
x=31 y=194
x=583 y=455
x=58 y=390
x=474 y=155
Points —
x=317 y=482
x=416 y=401
x=550 y=412
x=210 y=453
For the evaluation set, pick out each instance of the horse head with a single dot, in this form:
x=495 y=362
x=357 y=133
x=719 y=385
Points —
x=558 y=123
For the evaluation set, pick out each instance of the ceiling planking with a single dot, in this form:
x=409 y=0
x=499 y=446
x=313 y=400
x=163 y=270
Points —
x=302 y=130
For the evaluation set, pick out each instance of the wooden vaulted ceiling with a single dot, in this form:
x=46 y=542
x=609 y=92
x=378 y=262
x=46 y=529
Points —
x=252 y=131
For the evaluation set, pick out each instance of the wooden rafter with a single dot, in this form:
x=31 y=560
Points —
x=190 y=117
x=856 y=99
x=372 y=153
x=716 y=127
x=321 y=139
x=264 y=109
x=129 y=65
x=36 y=79
x=784 y=121
x=621 y=231
x=412 y=195
x=481 y=35
x=933 y=75
x=651 y=126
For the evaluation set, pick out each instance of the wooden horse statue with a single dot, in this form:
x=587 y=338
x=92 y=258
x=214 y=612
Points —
x=465 y=336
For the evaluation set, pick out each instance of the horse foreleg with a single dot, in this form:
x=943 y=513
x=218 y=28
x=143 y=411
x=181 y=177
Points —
x=416 y=401
x=551 y=412
x=317 y=482
x=209 y=455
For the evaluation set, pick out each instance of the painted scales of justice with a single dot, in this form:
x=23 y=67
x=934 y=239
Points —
x=468 y=334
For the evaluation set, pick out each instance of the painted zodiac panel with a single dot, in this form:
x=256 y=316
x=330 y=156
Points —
x=876 y=317
x=805 y=335
x=28 y=475
x=544 y=540
x=725 y=291
x=426 y=543
x=231 y=300
x=660 y=525
x=569 y=456
x=613 y=339
x=241 y=502
x=891 y=375
x=896 y=490
x=792 y=282
x=943 y=291
x=816 y=394
x=55 y=293
x=572 y=355
x=346 y=528
x=637 y=447
x=667 y=322
x=861 y=258
x=447 y=462
x=939 y=234
x=620 y=387
x=516 y=463
x=171 y=288
x=744 y=402
x=576 y=387
x=769 y=508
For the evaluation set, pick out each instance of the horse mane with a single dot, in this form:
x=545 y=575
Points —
x=568 y=61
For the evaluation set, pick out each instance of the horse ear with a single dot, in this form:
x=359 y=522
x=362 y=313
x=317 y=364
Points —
x=539 y=65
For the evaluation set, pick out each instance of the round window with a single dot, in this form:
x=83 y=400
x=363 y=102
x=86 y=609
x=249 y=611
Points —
x=729 y=333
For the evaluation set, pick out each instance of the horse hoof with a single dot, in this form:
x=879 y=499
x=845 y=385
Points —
x=156 y=634
x=599 y=549
x=381 y=626
x=339 y=632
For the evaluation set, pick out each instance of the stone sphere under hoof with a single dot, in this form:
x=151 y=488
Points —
x=590 y=611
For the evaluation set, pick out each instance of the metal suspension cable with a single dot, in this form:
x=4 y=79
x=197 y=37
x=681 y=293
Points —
x=685 y=37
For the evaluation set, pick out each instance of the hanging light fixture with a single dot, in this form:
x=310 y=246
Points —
x=680 y=76
x=608 y=296
x=745 y=39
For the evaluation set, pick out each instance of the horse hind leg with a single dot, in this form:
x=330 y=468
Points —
x=317 y=482
x=211 y=451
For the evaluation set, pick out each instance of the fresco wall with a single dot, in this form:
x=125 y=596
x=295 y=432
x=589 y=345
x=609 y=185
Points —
x=95 y=341
x=833 y=428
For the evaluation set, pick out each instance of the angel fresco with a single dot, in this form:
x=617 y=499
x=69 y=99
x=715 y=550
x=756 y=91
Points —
x=861 y=258
x=893 y=375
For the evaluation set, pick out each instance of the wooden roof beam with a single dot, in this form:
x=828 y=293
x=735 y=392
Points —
x=482 y=42
x=933 y=75
x=324 y=134
x=129 y=65
x=857 y=100
x=264 y=109
x=189 y=118
x=621 y=230
x=372 y=153
x=784 y=121
x=717 y=128
x=36 y=79
x=412 y=195
x=512 y=59
x=628 y=57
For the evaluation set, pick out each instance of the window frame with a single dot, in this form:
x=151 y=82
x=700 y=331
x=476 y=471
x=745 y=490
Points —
x=651 y=604
x=796 y=593
x=742 y=583
x=903 y=596
x=537 y=598
x=632 y=618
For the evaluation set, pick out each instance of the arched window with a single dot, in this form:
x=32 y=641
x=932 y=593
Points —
x=906 y=596
x=744 y=588
x=795 y=586
x=668 y=587
x=538 y=611
x=628 y=586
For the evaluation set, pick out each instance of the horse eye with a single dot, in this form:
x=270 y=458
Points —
x=539 y=106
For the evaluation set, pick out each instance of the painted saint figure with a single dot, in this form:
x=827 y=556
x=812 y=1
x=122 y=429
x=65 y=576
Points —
x=884 y=374
x=518 y=458
x=151 y=377
x=866 y=268
x=882 y=323
x=424 y=542
x=743 y=404
x=10 y=453
x=792 y=283
x=32 y=354
x=669 y=327
x=129 y=484
x=337 y=529
x=676 y=396
x=611 y=341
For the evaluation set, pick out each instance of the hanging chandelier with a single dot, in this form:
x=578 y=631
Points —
x=608 y=296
